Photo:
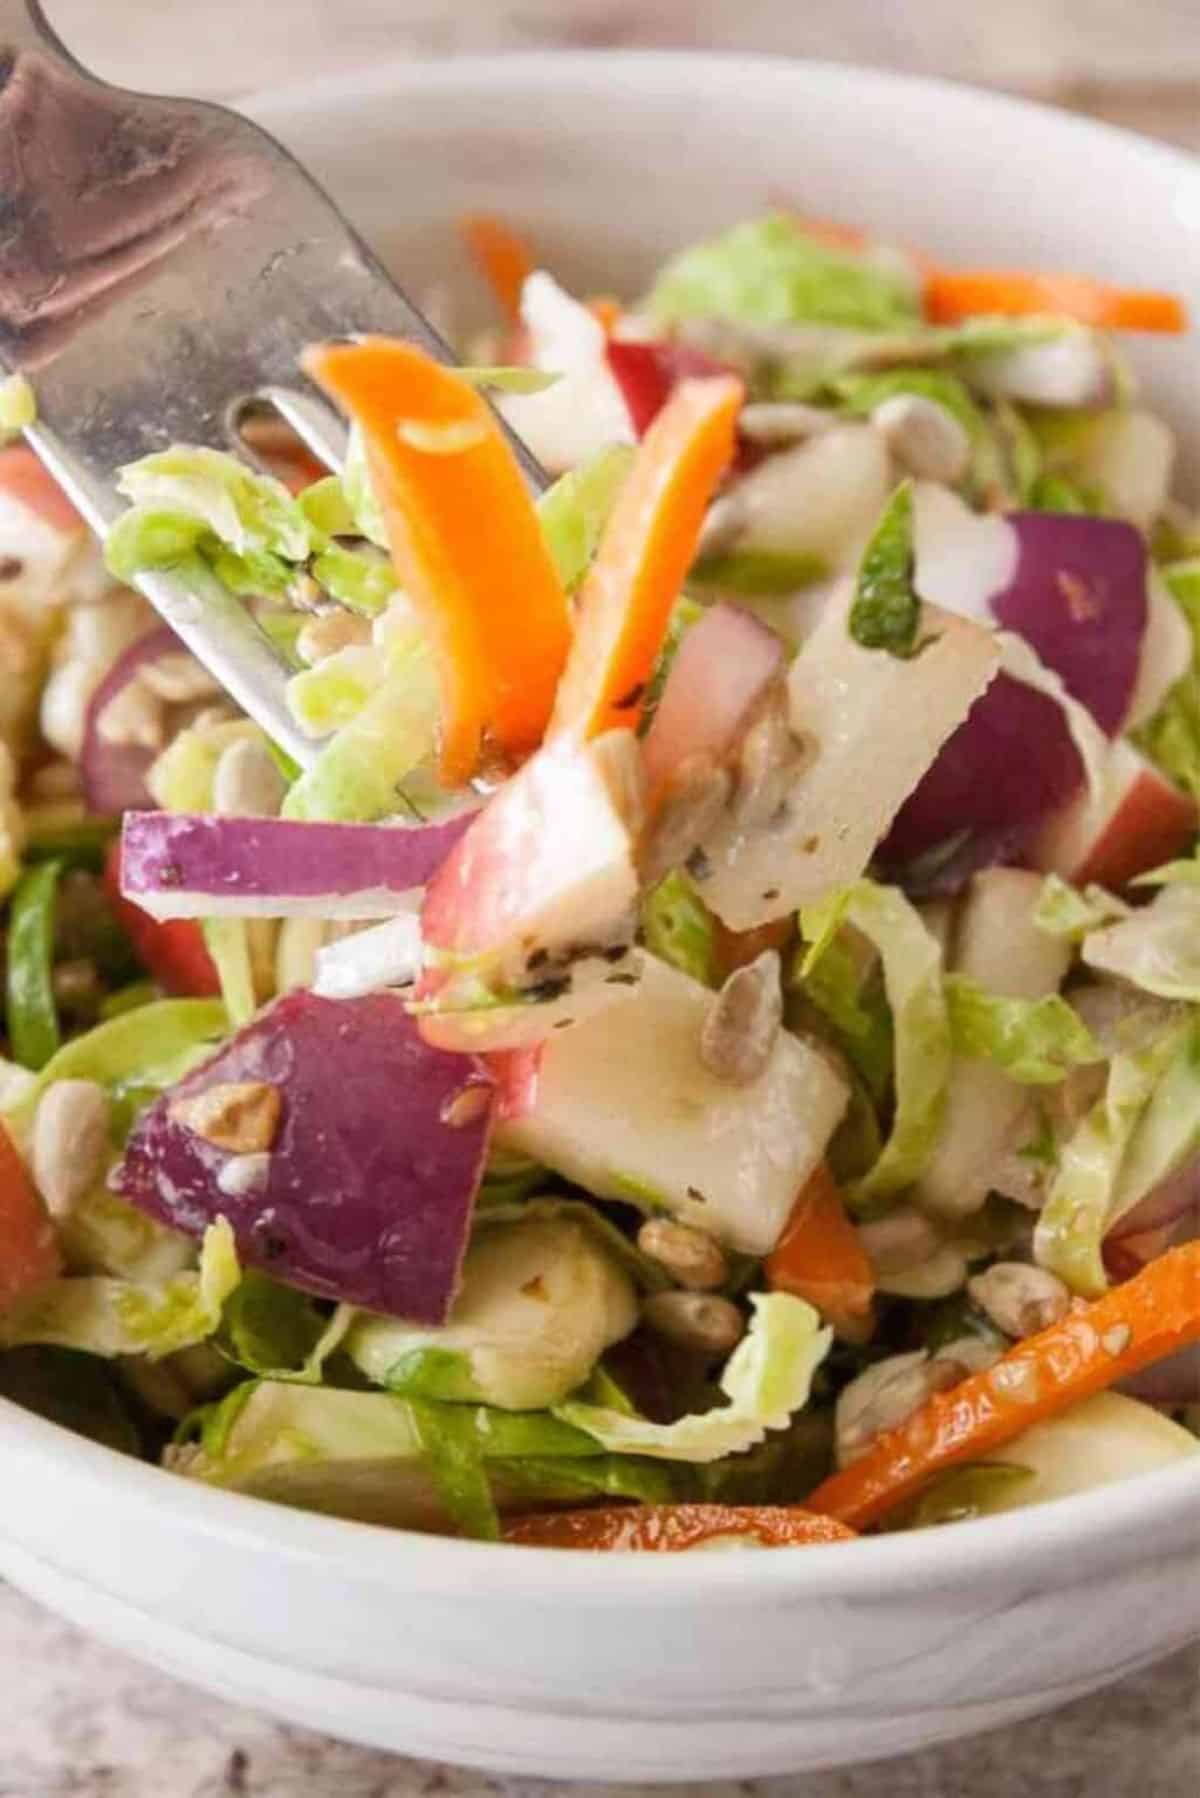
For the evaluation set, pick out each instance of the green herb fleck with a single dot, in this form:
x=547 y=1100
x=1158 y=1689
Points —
x=886 y=611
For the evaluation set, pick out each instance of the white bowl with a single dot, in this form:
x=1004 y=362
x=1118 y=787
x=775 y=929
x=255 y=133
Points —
x=644 y=1668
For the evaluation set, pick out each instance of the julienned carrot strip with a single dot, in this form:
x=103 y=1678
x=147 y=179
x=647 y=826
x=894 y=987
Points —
x=954 y=294
x=670 y=1529
x=1150 y=1317
x=503 y=257
x=465 y=540
x=646 y=550
x=820 y=1258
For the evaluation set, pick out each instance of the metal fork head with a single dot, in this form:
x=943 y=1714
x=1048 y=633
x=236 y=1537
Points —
x=162 y=262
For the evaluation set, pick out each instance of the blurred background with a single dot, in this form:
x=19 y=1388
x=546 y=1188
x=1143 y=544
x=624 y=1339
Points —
x=1136 y=62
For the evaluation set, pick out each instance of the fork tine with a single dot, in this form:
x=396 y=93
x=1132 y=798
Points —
x=162 y=260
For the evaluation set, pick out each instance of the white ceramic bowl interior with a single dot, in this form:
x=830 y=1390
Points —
x=691 y=1666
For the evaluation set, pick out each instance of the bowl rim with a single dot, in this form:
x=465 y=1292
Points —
x=1021 y=1544
x=268 y=106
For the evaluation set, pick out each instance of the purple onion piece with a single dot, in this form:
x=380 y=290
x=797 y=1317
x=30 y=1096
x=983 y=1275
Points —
x=190 y=865
x=1078 y=597
x=1009 y=762
x=368 y=1188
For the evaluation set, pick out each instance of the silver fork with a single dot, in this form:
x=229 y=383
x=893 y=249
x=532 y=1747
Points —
x=162 y=265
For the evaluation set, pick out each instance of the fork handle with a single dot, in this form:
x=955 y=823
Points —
x=24 y=26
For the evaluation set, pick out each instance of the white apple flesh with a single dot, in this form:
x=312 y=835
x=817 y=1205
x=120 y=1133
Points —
x=999 y=946
x=625 y=1106
x=875 y=722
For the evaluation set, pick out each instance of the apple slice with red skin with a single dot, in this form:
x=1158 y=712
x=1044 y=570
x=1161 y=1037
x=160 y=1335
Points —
x=28 y=1248
x=1139 y=821
x=528 y=924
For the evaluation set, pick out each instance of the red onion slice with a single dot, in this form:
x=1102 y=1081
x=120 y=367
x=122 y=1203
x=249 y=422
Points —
x=723 y=667
x=188 y=865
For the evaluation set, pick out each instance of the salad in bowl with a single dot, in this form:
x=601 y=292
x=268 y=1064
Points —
x=707 y=1052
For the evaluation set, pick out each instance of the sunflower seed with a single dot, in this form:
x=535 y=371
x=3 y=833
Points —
x=926 y=439
x=327 y=632
x=742 y=1022
x=688 y=1255
x=700 y=1321
x=884 y=1397
x=698 y=795
x=1020 y=1299
x=776 y=422
x=70 y=1142
x=903 y=1239
x=178 y=678
x=246 y=782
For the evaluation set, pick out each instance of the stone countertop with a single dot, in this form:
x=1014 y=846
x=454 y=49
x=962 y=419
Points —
x=78 y=1720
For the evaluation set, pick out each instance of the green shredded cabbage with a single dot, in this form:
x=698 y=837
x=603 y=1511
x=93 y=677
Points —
x=278 y=1333
x=759 y=573
x=1156 y=948
x=1080 y=1203
x=250 y=514
x=329 y=695
x=861 y=393
x=1062 y=910
x=574 y=512
x=679 y=928
x=1171 y=738
x=357 y=776
x=450 y=1445
x=145 y=1049
x=846 y=989
x=365 y=509
x=358 y=579
x=766 y=1380
x=502 y=379
x=912 y=975
x=1035 y=1041
x=18 y=406
x=111 y=1317
x=228 y=943
x=769 y=272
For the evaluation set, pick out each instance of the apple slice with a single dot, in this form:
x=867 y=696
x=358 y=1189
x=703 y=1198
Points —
x=1166 y=653
x=528 y=924
x=876 y=723
x=1139 y=820
x=999 y=945
x=625 y=1107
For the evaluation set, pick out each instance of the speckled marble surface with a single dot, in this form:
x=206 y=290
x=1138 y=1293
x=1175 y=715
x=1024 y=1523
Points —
x=78 y=1720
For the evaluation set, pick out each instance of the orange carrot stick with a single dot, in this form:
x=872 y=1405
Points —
x=1151 y=1316
x=955 y=294
x=820 y=1258
x=28 y=1252
x=646 y=550
x=465 y=540
x=503 y=257
x=672 y=1528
